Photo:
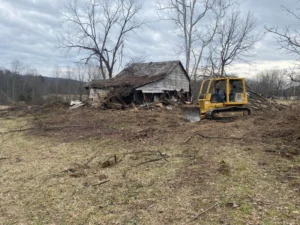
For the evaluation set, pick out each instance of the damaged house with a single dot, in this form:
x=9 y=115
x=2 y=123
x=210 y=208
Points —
x=143 y=82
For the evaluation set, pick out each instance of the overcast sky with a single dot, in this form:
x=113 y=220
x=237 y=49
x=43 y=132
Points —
x=29 y=30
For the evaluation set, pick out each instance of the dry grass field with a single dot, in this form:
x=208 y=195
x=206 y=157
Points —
x=148 y=167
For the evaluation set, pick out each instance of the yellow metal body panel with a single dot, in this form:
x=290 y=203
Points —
x=232 y=97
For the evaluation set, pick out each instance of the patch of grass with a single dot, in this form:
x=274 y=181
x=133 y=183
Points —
x=56 y=177
x=246 y=209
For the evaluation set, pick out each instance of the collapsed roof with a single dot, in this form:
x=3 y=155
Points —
x=138 y=74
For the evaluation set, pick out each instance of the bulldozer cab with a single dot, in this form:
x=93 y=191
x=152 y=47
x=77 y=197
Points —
x=226 y=97
x=230 y=91
x=222 y=92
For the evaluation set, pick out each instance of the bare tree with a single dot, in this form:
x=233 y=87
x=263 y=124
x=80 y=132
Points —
x=189 y=17
x=294 y=75
x=206 y=36
x=69 y=76
x=270 y=82
x=99 y=28
x=289 y=39
x=280 y=81
x=80 y=72
x=93 y=72
x=57 y=74
x=28 y=83
x=16 y=68
x=236 y=38
x=68 y=73
x=212 y=66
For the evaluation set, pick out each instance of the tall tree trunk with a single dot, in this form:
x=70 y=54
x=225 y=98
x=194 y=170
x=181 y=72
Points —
x=222 y=69
x=13 y=89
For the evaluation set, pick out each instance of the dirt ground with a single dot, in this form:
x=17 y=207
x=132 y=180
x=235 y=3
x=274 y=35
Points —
x=91 y=166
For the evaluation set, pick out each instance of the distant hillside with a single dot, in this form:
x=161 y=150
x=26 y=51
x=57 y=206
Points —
x=33 y=89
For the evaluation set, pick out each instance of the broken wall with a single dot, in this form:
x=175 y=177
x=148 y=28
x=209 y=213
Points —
x=97 y=95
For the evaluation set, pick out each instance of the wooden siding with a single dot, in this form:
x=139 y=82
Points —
x=176 y=80
x=95 y=94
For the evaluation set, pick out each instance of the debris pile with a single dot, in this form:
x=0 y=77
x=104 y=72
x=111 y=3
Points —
x=76 y=104
x=115 y=100
x=264 y=104
x=257 y=102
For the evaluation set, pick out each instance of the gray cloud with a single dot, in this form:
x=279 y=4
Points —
x=29 y=31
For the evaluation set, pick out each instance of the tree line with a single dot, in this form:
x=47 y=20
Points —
x=22 y=83
x=273 y=83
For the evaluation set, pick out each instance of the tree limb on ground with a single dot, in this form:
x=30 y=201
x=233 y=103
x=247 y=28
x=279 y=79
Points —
x=108 y=163
x=256 y=94
x=100 y=183
x=15 y=131
x=3 y=158
x=211 y=137
x=214 y=206
x=49 y=127
x=46 y=128
x=163 y=156
x=149 y=161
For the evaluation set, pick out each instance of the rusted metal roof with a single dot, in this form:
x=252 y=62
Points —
x=138 y=74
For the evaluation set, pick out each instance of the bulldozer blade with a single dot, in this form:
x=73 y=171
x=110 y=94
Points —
x=191 y=113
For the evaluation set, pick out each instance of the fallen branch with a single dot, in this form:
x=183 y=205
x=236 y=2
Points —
x=100 y=183
x=90 y=160
x=211 y=137
x=15 y=131
x=139 y=152
x=205 y=211
x=256 y=94
x=49 y=127
x=108 y=163
x=293 y=177
x=61 y=127
x=3 y=158
x=187 y=140
x=152 y=160
x=163 y=156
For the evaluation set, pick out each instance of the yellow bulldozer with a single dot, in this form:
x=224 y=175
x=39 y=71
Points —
x=219 y=98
